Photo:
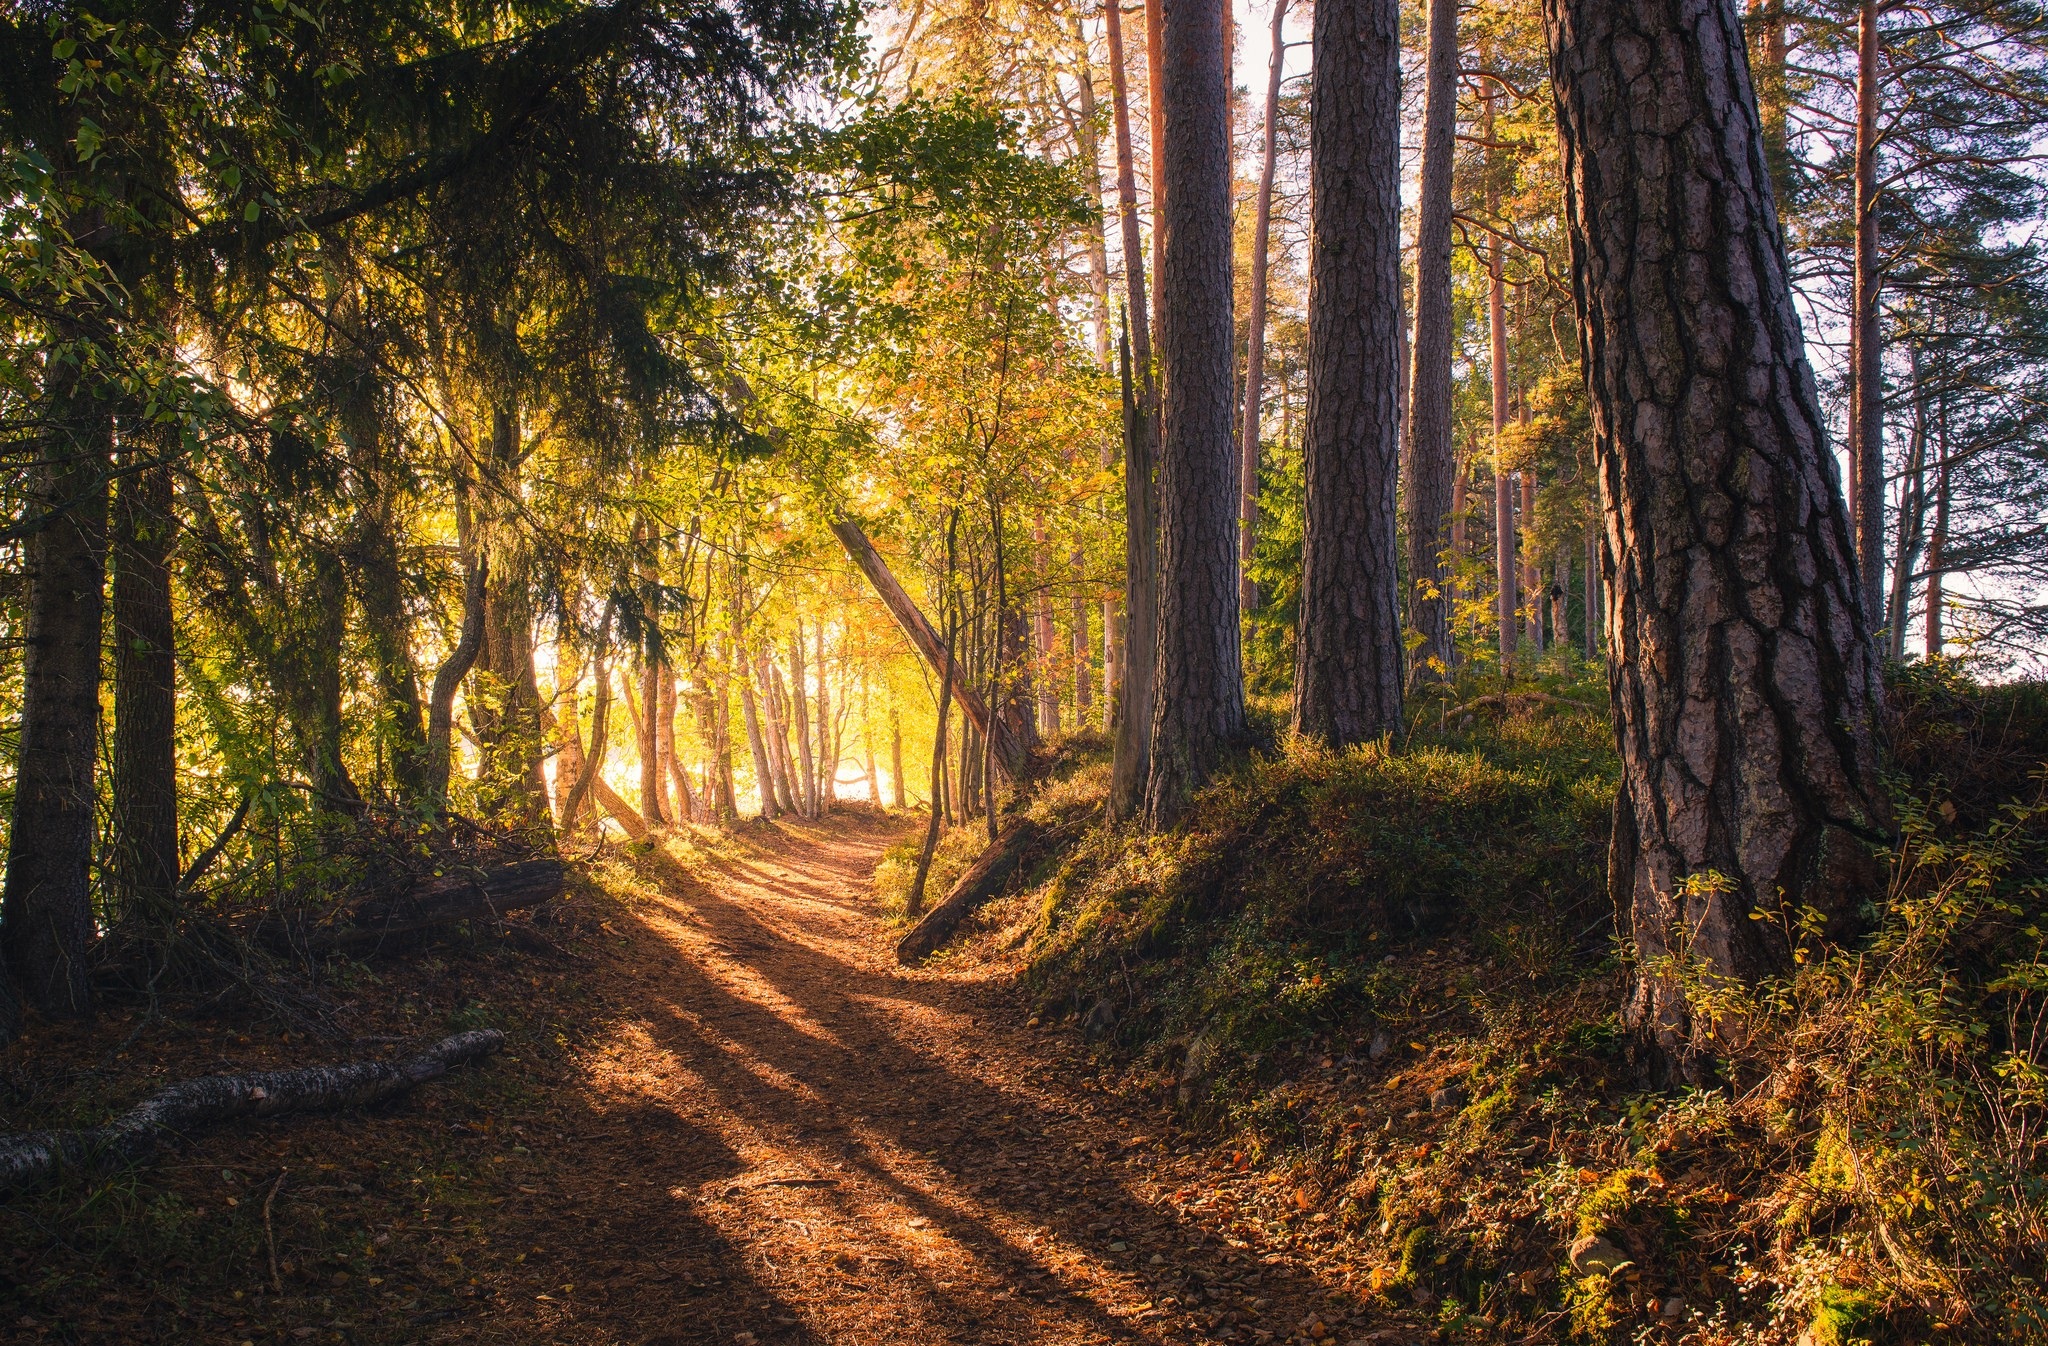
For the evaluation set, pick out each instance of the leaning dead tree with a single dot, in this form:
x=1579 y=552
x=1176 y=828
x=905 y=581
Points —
x=37 y=1157
x=1010 y=748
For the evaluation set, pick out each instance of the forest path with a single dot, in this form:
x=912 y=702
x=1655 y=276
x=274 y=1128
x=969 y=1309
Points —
x=794 y=1140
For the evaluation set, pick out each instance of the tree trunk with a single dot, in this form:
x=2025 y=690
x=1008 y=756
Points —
x=1155 y=125
x=1048 y=686
x=1083 y=649
x=1594 y=610
x=1770 y=53
x=144 y=854
x=647 y=730
x=828 y=755
x=1347 y=681
x=685 y=808
x=46 y=916
x=469 y=642
x=1937 y=540
x=896 y=786
x=1868 y=441
x=1255 y=331
x=1744 y=677
x=1131 y=709
x=1912 y=527
x=1532 y=573
x=801 y=711
x=764 y=774
x=982 y=882
x=569 y=763
x=1427 y=445
x=589 y=783
x=509 y=733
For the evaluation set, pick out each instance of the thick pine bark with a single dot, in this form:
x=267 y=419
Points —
x=1503 y=478
x=46 y=918
x=1255 y=328
x=1427 y=452
x=1131 y=708
x=1744 y=676
x=1347 y=678
x=145 y=843
x=1198 y=685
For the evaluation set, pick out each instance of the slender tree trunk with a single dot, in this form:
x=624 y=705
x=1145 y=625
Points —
x=510 y=733
x=1769 y=55
x=145 y=786
x=679 y=779
x=1912 y=523
x=1744 y=677
x=828 y=755
x=47 y=925
x=1532 y=574
x=1869 y=403
x=1198 y=683
x=1084 y=659
x=897 y=791
x=1131 y=711
x=1428 y=454
x=646 y=721
x=1155 y=119
x=800 y=712
x=1937 y=541
x=569 y=762
x=1255 y=332
x=469 y=642
x=1043 y=637
x=1088 y=144
x=764 y=774
x=1347 y=681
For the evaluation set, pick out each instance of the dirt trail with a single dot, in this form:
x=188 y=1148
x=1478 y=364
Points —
x=806 y=1144
x=724 y=1115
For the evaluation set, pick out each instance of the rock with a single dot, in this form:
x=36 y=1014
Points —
x=1101 y=1017
x=1595 y=1256
x=1672 y=1309
x=1381 y=1044
x=1158 y=1260
x=1447 y=1099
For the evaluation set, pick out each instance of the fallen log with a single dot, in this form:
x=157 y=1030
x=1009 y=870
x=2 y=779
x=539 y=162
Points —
x=622 y=813
x=33 y=1158
x=983 y=880
x=445 y=901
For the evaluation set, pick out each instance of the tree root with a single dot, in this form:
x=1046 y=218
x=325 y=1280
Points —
x=30 y=1159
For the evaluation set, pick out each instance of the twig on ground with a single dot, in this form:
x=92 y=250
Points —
x=270 y=1235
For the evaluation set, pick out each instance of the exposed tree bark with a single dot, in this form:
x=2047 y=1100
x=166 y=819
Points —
x=913 y=903
x=1594 y=611
x=144 y=853
x=1131 y=706
x=983 y=881
x=1427 y=447
x=1912 y=529
x=1255 y=328
x=1937 y=541
x=1347 y=679
x=1867 y=441
x=1198 y=683
x=764 y=773
x=505 y=703
x=30 y=1160
x=801 y=712
x=1047 y=685
x=623 y=813
x=441 y=700
x=646 y=732
x=46 y=919
x=1532 y=573
x=1744 y=677
x=1505 y=604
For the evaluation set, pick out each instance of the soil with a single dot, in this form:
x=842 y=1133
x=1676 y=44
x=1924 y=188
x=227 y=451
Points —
x=724 y=1114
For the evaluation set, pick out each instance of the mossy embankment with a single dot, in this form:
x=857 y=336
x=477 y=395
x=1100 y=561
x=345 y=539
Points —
x=1382 y=985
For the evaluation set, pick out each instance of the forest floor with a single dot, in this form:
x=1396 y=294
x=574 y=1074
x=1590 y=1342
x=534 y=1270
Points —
x=724 y=1114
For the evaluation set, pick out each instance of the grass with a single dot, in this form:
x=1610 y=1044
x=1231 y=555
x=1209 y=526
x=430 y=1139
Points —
x=1388 y=978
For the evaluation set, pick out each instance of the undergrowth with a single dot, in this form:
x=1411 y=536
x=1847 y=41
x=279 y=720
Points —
x=1385 y=980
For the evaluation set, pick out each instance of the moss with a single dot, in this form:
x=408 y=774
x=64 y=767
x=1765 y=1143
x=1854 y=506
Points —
x=1843 y=1317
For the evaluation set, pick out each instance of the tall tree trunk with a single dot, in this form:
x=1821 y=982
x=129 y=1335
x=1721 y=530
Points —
x=685 y=808
x=144 y=853
x=646 y=718
x=896 y=784
x=828 y=756
x=1088 y=144
x=764 y=772
x=1083 y=650
x=1532 y=573
x=1042 y=635
x=1255 y=330
x=1198 y=683
x=800 y=710
x=1347 y=680
x=1155 y=124
x=569 y=760
x=46 y=917
x=469 y=642
x=1769 y=56
x=1744 y=676
x=509 y=733
x=1937 y=539
x=1131 y=722
x=1868 y=443
x=1428 y=454
x=1912 y=522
